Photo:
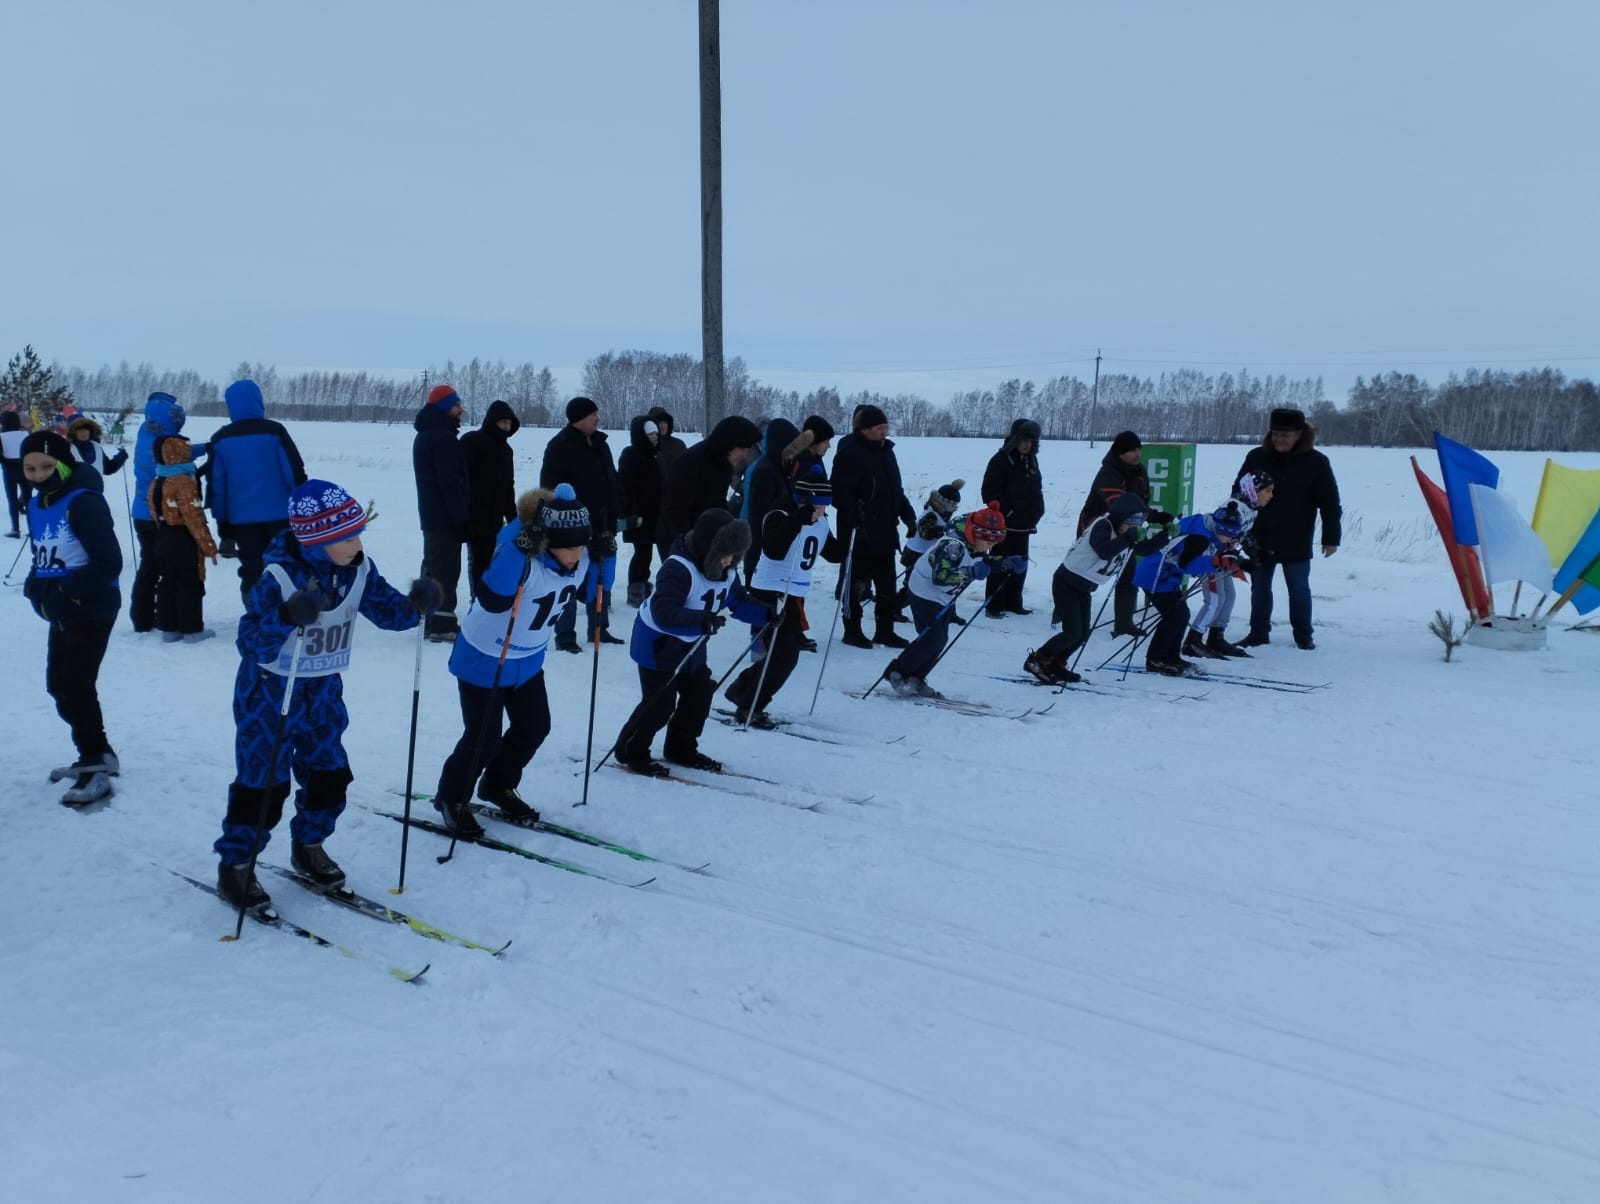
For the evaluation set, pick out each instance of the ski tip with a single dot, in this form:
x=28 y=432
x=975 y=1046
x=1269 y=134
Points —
x=501 y=951
x=407 y=976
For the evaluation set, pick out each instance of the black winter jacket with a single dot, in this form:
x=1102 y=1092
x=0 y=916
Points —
x=90 y=591
x=639 y=479
x=1013 y=479
x=867 y=491
x=584 y=462
x=700 y=479
x=491 y=471
x=1113 y=480
x=1304 y=488
x=440 y=471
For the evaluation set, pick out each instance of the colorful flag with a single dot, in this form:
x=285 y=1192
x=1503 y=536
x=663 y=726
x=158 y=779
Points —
x=1580 y=572
x=1568 y=499
x=1507 y=546
x=1460 y=466
x=1463 y=561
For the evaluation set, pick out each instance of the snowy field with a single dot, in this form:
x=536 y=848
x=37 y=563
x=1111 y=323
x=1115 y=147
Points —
x=1170 y=941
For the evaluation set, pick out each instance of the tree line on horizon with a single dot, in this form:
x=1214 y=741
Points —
x=1534 y=409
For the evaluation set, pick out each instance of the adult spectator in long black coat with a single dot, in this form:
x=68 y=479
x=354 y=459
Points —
x=639 y=477
x=1121 y=471
x=1012 y=478
x=670 y=447
x=580 y=455
x=1304 y=489
x=491 y=485
x=442 y=498
x=701 y=478
x=871 y=504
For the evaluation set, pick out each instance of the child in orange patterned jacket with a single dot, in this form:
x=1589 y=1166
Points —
x=183 y=544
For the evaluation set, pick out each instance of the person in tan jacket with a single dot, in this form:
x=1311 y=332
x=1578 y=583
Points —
x=183 y=544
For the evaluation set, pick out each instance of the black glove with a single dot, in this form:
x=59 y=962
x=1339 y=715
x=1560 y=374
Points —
x=908 y=557
x=302 y=607
x=121 y=457
x=911 y=528
x=1159 y=518
x=711 y=623
x=425 y=595
x=1193 y=545
x=603 y=545
x=228 y=548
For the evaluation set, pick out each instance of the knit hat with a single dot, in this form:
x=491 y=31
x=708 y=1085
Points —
x=51 y=444
x=1287 y=420
x=320 y=512
x=821 y=429
x=944 y=500
x=868 y=416
x=1249 y=486
x=565 y=520
x=1125 y=508
x=812 y=487
x=444 y=397
x=580 y=408
x=988 y=521
x=717 y=533
x=1126 y=442
x=1227 y=520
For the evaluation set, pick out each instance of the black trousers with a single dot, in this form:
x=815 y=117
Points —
x=142 y=597
x=17 y=490
x=251 y=540
x=441 y=560
x=1167 y=642
x=783 y=654
x=880 y=571
x=1072 y=609
x=503 y=755
x=179 y=592
x=1003 y=591
x=72 y=677
x=639 y=563
x=681 y=709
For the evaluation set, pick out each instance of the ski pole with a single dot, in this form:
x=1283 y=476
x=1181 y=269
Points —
x=844 y=592
x=1093 y=627
x=627 y=728
x=133 y=532
x=594 y=685
x=25 y=546
x=411 y=752
x=774 y=626
x=491 y=712
x=272 y=770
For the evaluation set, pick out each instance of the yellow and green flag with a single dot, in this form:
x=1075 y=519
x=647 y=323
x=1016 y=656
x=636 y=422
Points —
x=1569 y=499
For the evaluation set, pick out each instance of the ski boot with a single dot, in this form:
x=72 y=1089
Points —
x=693 y=758
x=1192 y=646
x=459 y=819
x=87 y=788
x=237 y=885
x=645 y=766
x=1217 y=644
x=316 y=867
x=887 y=637
x=508 y=802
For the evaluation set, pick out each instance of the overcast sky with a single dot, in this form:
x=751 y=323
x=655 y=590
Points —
x=920 y=195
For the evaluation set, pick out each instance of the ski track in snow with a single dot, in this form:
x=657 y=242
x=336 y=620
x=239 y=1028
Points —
x=1269 y=947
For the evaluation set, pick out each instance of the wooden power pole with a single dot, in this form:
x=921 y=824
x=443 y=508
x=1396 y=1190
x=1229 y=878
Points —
x=711 y=212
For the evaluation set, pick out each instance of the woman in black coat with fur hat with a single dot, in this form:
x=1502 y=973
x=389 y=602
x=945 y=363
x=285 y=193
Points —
x=1012 y=479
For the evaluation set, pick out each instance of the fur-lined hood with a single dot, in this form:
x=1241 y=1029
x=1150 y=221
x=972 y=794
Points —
x=83 y=422
x=717 y=533
x=1022 y=428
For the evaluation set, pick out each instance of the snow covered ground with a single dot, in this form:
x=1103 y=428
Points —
x=1171 y=941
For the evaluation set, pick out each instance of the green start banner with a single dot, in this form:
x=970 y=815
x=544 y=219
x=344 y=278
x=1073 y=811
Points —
x=1171 y=470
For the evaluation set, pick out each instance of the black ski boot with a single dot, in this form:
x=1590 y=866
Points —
x=237 y=884
x=322 y=871
x=854 y=636
x=459 y=819
x=693 y=758
x=886 y=637
x=1217 y=644
x=1192 y=646
x=645 y=766
x=508 y=802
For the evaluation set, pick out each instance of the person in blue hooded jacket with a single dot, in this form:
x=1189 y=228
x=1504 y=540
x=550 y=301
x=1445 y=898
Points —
x=1204 y=544
x=162 y=416
x=540 y=566
x=254 y=467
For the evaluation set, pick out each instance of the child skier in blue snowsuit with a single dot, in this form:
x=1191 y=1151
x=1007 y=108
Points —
x=1203 y=545
x=316 y=581
x=540 y=564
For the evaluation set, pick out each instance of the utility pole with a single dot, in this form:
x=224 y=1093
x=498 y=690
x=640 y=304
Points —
x=1094 y=398
x=711 y=211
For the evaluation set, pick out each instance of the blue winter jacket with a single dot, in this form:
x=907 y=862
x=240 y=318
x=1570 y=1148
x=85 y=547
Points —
x=1161 y=572
x=254 y=463
x=670 y=606
x=162 y=416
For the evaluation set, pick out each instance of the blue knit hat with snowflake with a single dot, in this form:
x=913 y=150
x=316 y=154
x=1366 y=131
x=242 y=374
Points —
x=320 y=512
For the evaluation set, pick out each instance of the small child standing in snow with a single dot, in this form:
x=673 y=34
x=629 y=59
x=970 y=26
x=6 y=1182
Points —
x=1096 y=558
x=73 y=586
x=182 y=545
x=539 y=565
x=1201 y=547
x=937 y=579
x=317 y=580
x=1252 y=491
x=793 y=539
x=681 y=613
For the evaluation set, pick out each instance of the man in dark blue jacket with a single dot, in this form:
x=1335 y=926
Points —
x=254 y=468
x=442 y=502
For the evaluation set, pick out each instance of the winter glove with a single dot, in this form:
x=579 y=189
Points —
x=711 y=623
x=602 y=546
x=907 y=558
x=628 y=522
x=228 y=549
x=1159 y=518
x=1016 y=565
x=302 y=607
x=1193 y=546
x=120 y=458
x=911 y=528
x=425 y=595
x=980 y=570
